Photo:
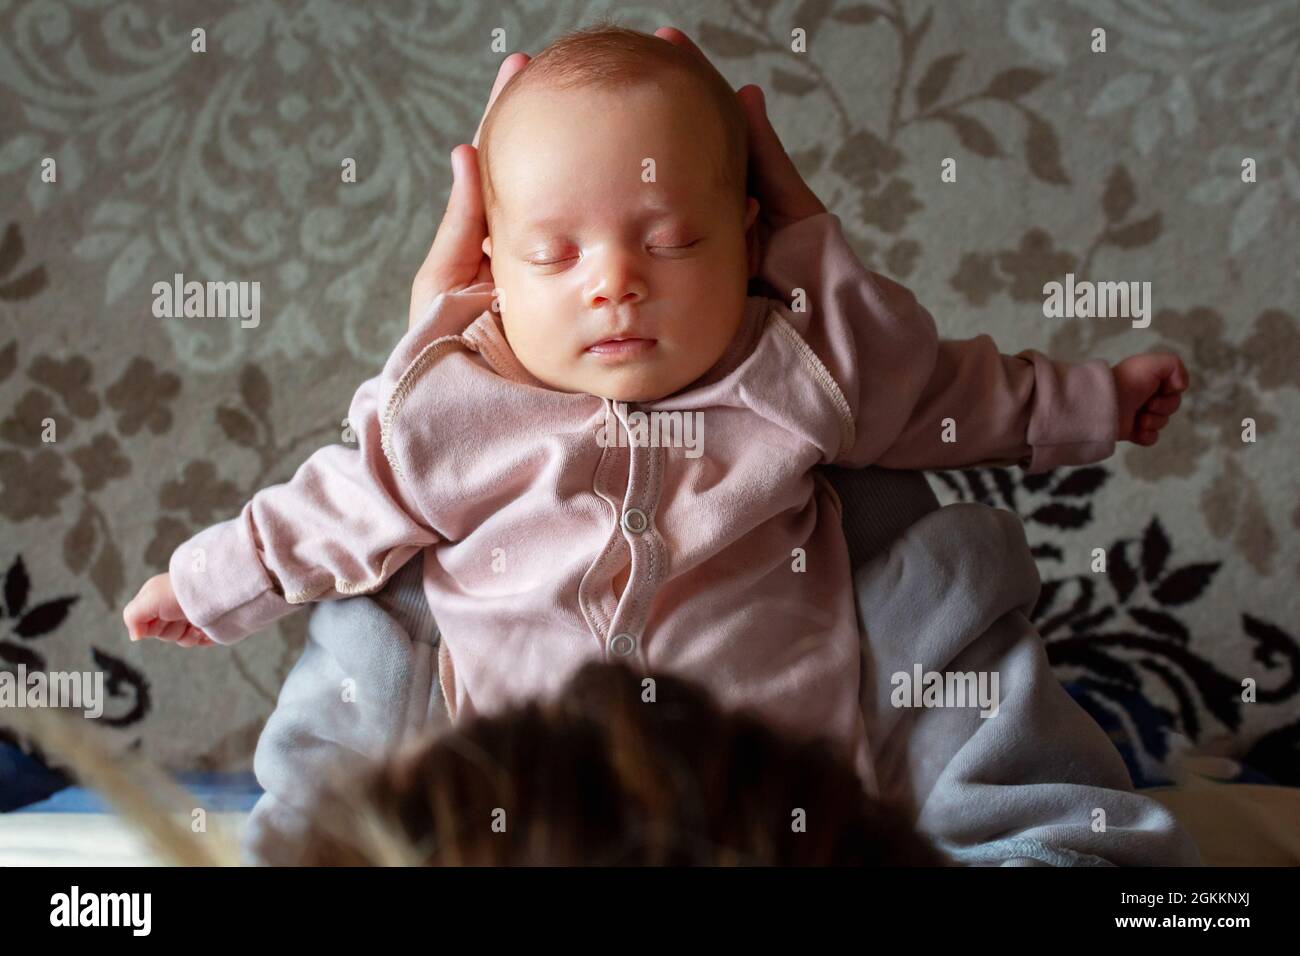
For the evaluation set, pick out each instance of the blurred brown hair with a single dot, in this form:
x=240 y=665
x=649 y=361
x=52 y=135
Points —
x=598 y=776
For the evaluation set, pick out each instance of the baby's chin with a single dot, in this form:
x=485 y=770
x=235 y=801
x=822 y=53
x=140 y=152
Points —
x=633 y=394
x=630 y=384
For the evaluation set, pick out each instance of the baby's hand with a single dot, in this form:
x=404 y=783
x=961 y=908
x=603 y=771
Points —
x=1148 y=388
x=155 y=612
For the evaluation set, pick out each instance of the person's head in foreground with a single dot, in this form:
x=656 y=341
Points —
x=614 y=181
x=601 y=776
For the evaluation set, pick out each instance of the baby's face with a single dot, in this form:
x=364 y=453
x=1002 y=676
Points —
x=584 y=251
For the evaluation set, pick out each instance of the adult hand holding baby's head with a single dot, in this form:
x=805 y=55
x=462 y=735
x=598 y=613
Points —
x=456 y=259
x=774 y=180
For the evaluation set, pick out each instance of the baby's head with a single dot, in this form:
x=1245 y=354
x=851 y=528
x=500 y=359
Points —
x=613 y=169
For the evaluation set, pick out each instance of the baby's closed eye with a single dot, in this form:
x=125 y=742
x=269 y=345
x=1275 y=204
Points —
x=669 y=247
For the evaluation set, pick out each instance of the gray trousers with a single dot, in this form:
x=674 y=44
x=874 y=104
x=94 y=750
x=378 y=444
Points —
x=945 y=589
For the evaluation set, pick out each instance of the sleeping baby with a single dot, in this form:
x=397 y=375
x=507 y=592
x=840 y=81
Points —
x=622 y=243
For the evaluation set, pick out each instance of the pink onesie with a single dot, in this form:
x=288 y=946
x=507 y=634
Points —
x=524 y=513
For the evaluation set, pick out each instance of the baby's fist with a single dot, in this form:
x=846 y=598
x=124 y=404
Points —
x=155 y=612
x=1149 y=389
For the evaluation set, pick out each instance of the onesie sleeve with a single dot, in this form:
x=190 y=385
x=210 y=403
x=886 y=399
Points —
x=342 y=525
x=915 y=400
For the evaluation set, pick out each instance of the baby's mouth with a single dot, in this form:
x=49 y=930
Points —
x=622 y=346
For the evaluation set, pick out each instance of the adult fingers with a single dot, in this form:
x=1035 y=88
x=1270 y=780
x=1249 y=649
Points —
x=678 y=38
x=777 y=183
x=775 y=180
x=457 y=252
x=455 y=259
x=509 y=67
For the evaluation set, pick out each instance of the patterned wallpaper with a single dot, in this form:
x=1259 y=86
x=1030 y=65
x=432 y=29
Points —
x=1122 y=165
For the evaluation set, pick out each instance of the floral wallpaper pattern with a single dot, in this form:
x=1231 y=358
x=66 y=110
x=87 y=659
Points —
x=225 y=165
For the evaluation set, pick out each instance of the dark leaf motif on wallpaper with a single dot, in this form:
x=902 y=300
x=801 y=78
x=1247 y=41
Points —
x=1145 y=629
x=100 y=461
x=31 y=622
x=1043 y=151
x=38 y=487
x=1014 y=83
x=1148 y=633
x=16 y=654
x=38 y=620
x=886 y=199
x=900 y=258
x=1022 y=272
x=89 y=542
x=1117 y=202
x=107 y=574
x=200 y=496
x=15 y=285
x=197 y=498
x=792 y=84
x=726 y=42
x=169 y=533
x=121 y=680
x=239 y=425
x=69 y=380
x=1272 y=646
x=17 y=586
x=1067 y=492
x=141 y=397
x=1042 y=146
x=972 y=134
x=935 y=80
x=810 y=14
x=32 y=487
x=730 y=42
x=856 y=14
x=72 y=379
x=25 y=425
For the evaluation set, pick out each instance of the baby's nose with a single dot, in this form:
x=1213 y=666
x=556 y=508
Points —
x=630 y=296
x=617 y=282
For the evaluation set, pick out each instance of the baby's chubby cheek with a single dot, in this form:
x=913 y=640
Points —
x=687 y=345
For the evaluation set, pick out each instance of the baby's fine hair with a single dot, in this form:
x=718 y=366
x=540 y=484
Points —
x=607 y=56
x=608 y=773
